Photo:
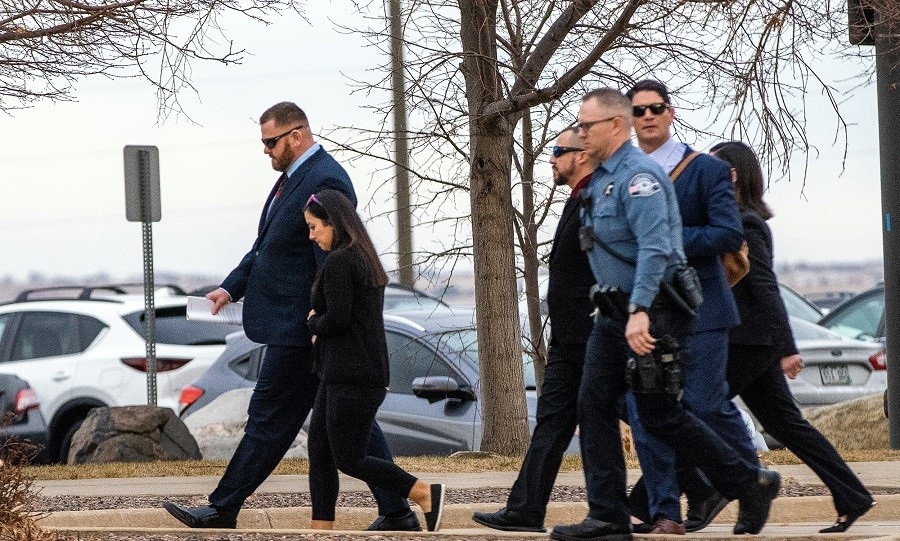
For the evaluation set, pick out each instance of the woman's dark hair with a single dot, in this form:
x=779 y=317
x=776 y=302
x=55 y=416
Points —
x=750 y=183
x=333 y=208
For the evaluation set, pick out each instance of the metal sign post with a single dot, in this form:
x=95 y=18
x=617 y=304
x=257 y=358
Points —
x=142 y=204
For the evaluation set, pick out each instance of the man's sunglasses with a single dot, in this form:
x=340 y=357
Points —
x=559 y=151
x=655 y=108
x=272 y=141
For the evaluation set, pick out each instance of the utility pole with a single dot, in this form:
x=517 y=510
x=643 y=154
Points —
x=867 y=28
x=401 y=150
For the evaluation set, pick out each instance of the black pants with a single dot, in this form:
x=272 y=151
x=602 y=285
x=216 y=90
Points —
x=281 y=401
x=557 y=417
x=338 y=439
x=769 y=399
x=600 y=396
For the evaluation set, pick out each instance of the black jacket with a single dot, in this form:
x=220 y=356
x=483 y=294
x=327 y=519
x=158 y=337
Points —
x=350 y=346
x=764 y=319
x=570 y=281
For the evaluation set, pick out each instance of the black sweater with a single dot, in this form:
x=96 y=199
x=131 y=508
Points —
x=350 y=346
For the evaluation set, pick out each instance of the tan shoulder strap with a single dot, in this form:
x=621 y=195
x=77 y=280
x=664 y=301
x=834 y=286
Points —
x=682 y=165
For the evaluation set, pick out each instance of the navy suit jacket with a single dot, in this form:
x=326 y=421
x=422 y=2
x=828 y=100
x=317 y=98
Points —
x=275 y=277
x=712 y=226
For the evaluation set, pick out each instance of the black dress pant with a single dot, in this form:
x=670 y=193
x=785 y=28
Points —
x=769 y=398
x=603 y=386
x=338 y=439
x=280 y=403
x=557 y=417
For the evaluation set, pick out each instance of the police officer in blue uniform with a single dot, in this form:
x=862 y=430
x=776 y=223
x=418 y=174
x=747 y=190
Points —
x=632 y=234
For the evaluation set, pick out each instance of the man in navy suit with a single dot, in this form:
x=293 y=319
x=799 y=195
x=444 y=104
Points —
x=711 y=226
x=275 y=279
x=570 y=309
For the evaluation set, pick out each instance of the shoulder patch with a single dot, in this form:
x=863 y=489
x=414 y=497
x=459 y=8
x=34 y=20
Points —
x=642 y=185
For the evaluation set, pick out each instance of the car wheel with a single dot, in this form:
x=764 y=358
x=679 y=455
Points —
x=66 y=442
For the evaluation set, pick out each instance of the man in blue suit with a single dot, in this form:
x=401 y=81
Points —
x=711 y=226
x=275 y=279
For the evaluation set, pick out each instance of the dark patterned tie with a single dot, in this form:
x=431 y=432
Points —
x=281 y=180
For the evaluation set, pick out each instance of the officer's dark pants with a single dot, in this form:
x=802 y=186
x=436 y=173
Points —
x=557 y=417
x=599 y=406
x=706 y=395
x=769 y=399
x=281 y=401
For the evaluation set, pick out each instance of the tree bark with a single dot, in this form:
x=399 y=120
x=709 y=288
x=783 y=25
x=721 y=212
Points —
x=497 y=316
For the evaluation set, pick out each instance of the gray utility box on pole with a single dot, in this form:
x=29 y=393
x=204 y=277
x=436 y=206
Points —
x=142 y=204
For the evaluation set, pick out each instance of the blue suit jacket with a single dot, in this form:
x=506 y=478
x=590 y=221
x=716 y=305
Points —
x=275 y=277
x=712 y=226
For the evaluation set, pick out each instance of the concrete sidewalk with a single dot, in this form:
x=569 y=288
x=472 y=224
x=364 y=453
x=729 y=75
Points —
x=790 y=517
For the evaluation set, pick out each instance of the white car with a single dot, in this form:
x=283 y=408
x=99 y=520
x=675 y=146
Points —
x=89 y=351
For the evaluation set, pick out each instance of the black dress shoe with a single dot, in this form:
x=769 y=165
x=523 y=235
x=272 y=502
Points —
x=201 y=517
x=755 y=505
x=508 y=521
x=407 y=523
x=845 y=521
x=700 y=514
x=641 y=527
x=591 y=529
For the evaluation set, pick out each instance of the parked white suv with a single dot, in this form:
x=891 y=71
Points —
x=88 y=350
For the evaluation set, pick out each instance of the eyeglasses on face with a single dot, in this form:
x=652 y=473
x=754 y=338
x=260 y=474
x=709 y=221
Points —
x=585 y=126
x=655 y=108
x=559 y=151
x=272 y=141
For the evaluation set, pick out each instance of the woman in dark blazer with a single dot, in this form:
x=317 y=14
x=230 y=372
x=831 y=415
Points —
x=761 y=351
x=350 y=357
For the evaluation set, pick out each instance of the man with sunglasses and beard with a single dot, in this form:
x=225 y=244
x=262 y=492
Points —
x=570 y=310
x=711 y=226
x=275 y=280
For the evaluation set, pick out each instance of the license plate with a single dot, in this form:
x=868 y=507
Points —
x=835 y=374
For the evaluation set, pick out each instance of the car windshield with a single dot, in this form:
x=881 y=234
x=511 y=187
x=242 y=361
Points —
x=798 y=306
x=805 y=330
x=858 y=318
x=465 y=343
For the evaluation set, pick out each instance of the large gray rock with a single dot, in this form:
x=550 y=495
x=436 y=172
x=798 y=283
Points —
x=132 y=434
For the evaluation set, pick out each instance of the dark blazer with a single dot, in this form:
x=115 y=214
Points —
x=712 y=226
x=764 y=318
x=570 y=281
x=350 y=346
x=276 y=275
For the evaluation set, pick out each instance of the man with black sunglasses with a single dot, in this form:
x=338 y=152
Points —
x=275 y=280
x=711 y=226
x=570 y=310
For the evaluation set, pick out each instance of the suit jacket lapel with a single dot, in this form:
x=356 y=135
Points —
x=570 y=210
x=293 y=182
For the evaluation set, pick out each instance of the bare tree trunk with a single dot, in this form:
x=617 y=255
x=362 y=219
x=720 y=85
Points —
x=499 y=350
x=528 y=245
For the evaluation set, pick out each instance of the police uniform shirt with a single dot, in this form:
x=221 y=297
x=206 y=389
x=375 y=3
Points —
x=634 y=211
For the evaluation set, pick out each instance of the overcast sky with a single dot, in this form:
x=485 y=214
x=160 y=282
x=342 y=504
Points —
x=62 y=210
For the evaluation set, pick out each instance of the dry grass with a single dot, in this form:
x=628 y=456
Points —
x=16 y=520
x=858 y=429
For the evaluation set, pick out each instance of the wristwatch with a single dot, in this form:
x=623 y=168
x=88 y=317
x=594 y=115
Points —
x=635 y=308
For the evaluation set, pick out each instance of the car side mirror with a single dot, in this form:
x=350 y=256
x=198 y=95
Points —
x=435 y=388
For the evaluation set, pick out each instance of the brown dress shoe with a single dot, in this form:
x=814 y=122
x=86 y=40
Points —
x=666 y=526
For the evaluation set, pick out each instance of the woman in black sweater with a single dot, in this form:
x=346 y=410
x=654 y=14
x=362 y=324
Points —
x=350 y=357
x=761 y=350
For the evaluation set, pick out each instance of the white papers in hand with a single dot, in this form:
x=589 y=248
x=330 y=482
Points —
x=200 y=309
